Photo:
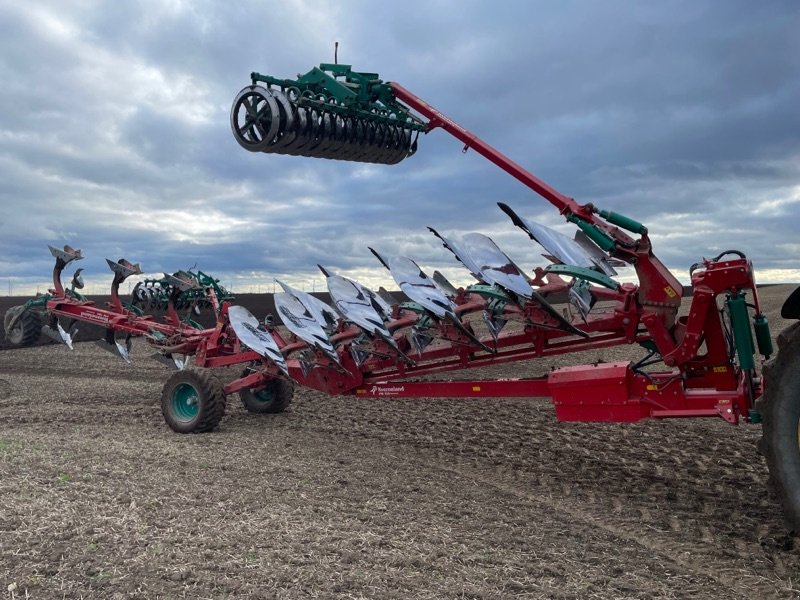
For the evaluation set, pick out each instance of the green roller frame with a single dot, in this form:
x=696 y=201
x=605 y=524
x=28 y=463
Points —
x=338 y=89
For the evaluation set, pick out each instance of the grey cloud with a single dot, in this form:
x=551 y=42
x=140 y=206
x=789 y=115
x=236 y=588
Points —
x=116 y=125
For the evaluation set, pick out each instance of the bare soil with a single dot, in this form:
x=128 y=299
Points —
x=342 y=497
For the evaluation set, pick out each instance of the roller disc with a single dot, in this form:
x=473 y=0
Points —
x=286 y=127
x=316 y=130
x=376 y=147
x=304 y=130
x=387 y=148
x=395 y=147
x=361 y=133
x=358 y=139
x=297 y=136
x=399 y=146
x=405 y=145
x=362 y=142
x=370 y=142
x=339 y=139
x=320 y=123
x=346 y=138
x=255 y=118
x=327 y=139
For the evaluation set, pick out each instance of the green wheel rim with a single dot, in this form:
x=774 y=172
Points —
x=185 y=403
x=264 y=396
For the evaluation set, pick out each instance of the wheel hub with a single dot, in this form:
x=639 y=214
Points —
x=185 y=402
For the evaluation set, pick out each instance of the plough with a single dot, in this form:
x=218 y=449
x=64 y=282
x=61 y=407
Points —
x=58 y=313
x=699 y=363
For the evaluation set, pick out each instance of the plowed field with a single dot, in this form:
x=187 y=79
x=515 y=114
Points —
x=352 y=498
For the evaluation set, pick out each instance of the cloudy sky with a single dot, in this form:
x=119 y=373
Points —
x=115 y=134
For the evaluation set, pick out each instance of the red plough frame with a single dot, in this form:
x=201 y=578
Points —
x=705 y=377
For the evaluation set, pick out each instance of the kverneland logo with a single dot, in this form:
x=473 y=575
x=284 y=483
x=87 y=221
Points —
x=94 y=317
x=387 y=389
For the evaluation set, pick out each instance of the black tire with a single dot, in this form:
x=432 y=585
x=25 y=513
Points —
x=27 y=328
x=274 y=398
x=193 y=401
x=780 y=411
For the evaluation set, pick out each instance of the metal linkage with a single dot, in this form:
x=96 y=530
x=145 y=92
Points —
x=330 y=112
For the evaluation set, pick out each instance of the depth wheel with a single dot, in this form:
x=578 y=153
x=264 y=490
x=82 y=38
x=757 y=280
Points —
x=193 y=401
x=780 y=411
x=274 y=398
x=26 y=329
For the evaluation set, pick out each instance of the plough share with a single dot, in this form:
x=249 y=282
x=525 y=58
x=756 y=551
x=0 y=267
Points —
x=370 y=344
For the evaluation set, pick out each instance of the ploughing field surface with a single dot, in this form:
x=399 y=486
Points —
x=342 y=497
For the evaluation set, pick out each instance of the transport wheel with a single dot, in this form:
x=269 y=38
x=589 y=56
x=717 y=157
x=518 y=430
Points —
x=780 y=411
x=193 y=401
x=27 y=328
x=274 y=398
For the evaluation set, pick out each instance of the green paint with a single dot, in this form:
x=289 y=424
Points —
x=585 y=274
x=601 y=238
x=623 y=221
x=340 y=90
x=742 y=335
x=763 y=335
x=265 y=395
x=490 y=292
x=185 y=403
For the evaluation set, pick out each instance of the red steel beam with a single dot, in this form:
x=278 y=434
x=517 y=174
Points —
x=499 y=388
